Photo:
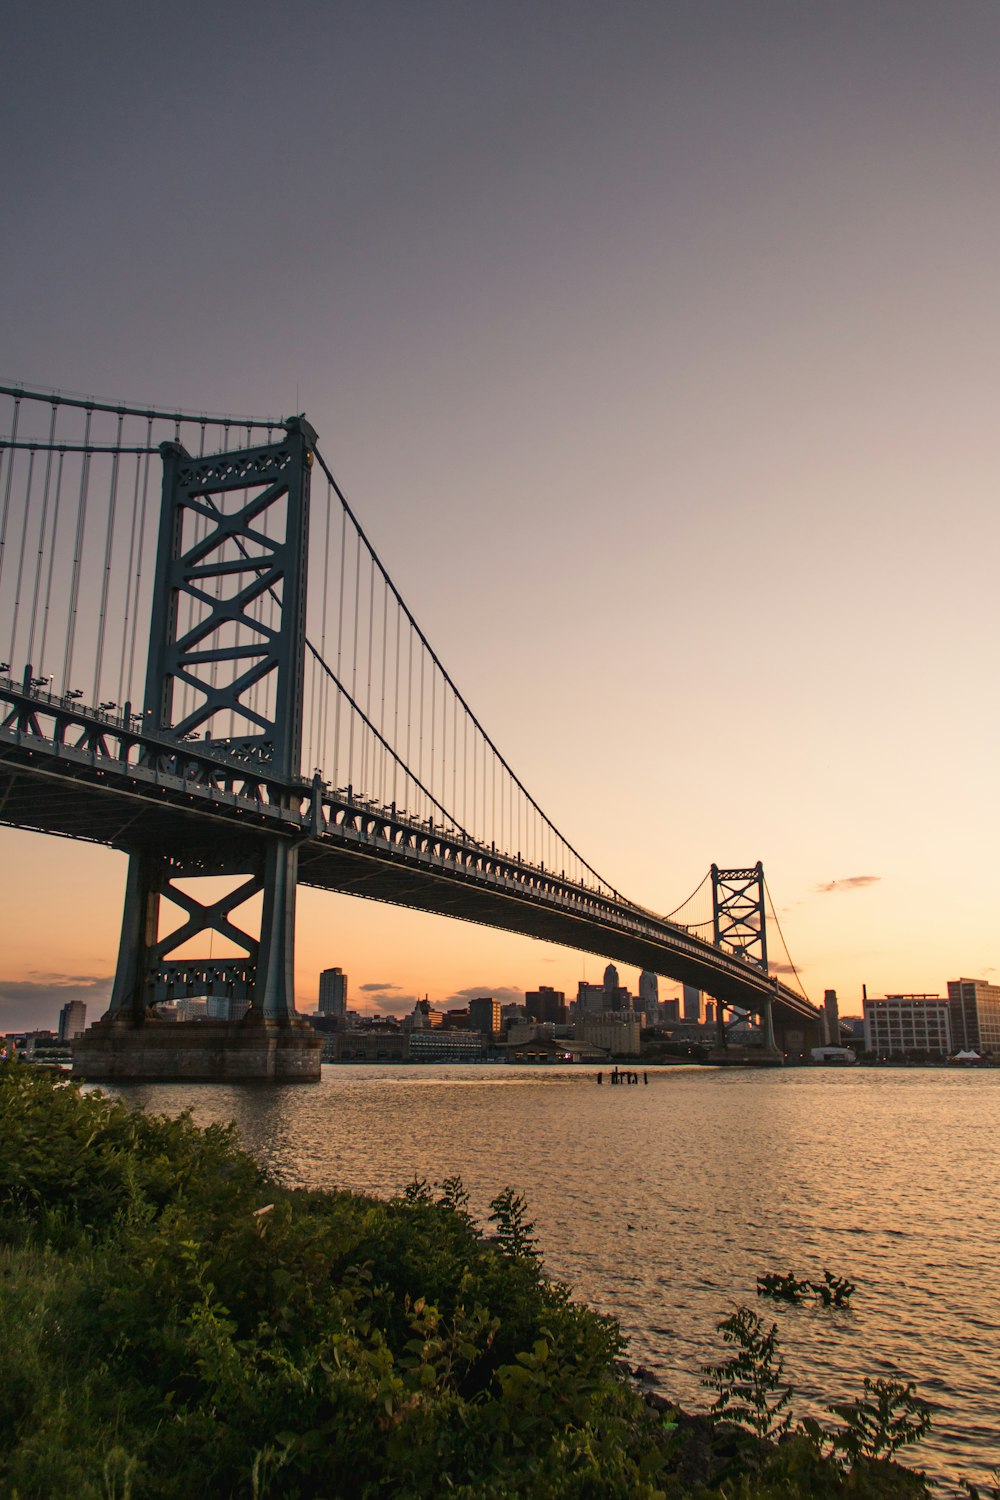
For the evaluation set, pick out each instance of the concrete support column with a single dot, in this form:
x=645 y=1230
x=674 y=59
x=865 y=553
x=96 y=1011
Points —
x=140 y=919
x=275 y=988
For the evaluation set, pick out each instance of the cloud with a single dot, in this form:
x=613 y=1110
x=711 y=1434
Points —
x=850 y=883
x=34 y=1004
x=507 y=994
x=386 y=1005
x=783 y=968
x=376 y=985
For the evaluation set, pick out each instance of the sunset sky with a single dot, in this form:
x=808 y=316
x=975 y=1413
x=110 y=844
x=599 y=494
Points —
x=657 y=346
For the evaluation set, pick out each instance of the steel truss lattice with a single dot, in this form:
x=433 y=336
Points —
x=228 y=616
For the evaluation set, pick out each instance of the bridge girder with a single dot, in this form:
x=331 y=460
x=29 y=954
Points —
x=143 y=793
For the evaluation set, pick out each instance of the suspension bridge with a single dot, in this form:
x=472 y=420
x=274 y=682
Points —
x=207 y=666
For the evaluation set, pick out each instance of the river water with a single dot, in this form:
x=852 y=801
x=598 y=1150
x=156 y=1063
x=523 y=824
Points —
x=663 y=1203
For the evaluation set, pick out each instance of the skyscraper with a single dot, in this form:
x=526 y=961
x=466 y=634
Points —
x=546 y=1004
x=333 y=993
x=484 y=1015
x=649 y=996
x=616 y=996
x=72 y=1020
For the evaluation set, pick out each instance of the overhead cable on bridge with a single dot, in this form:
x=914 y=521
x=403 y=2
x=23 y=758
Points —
x=153 y=413
x=479 y=789
x=793 y=969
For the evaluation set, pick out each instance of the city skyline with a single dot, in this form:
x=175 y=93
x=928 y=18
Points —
x=656 y=351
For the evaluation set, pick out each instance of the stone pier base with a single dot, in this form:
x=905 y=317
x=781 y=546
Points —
x=199 y=1051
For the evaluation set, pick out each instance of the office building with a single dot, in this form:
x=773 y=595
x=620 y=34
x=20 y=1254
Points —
x=904 y=1025
x=615 y=996
x=546 y=1004
x=438 y=1045
x=333 y=993
x=670 y=1010
x=831 y=1018
x=692 y=1003
x=589 y=997
x=649 y=997
x=974 y=1008
x=484 y=1015
x=615 y=1032
x=72 y=1020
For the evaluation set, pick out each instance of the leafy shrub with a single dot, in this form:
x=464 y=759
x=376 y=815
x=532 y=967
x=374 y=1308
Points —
x=749 y=1384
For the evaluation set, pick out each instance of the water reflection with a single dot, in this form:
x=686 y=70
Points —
x=662 y=1204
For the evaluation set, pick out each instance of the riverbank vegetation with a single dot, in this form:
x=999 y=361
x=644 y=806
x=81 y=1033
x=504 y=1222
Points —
x=174 y=1325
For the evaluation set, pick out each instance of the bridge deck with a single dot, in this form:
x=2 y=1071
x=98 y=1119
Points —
x=74 y=772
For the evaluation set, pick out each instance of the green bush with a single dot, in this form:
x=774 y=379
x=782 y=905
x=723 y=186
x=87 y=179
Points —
x=176 y=1325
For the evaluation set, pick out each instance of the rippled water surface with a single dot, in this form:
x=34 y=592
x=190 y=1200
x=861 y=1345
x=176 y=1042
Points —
x=662 y=1204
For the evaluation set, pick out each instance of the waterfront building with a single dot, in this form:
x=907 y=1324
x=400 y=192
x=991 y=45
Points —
x=446 y=1046
x=692 y=1003
x=333 y=993
x=356 y=1045
x=529 y=1031
x=614 y=1031
x=546 y=1004
x=484 y=1015
x=456 y=1019
x=589 y=997
x=901 y=1025
x=974 y=1007
x=72 y=1020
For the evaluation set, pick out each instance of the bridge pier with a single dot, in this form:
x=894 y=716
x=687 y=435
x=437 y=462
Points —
x=212 y=651
x=119 y=1048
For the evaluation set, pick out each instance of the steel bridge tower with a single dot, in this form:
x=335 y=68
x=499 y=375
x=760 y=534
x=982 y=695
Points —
x=739 y=924
x=226 y=667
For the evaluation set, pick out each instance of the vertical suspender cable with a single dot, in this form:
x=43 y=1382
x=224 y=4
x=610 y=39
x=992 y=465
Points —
x=454 y=754
x=43 y=527
x=122 y=695
x=321 y=725
x=106 y=577
x=367 y=773
x=395 y=712
x=381 y=717
x=12 y=653
x=420 y=742
x=11 y=456
x=52 y=557
x=409 y=702
x=340 y=640
x=430 y=779
x=354 y=661
x=138 y=564
x=81 y=524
